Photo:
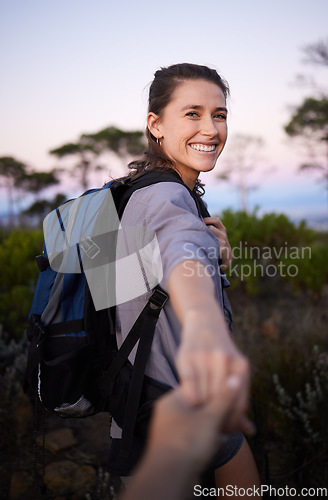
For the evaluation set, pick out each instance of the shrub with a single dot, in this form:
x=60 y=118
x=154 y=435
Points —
x=272 y=248
x=12 y=366
x=302 y=407
x=18 y=277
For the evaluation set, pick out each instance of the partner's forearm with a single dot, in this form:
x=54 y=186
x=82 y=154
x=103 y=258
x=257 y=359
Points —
x=162 y=475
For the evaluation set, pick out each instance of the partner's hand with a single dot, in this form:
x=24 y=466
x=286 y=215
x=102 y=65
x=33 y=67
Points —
x=194 y=432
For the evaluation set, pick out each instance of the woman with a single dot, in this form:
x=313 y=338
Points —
x=186 y=132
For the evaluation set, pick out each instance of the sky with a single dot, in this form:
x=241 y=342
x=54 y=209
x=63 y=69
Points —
x=74 y=66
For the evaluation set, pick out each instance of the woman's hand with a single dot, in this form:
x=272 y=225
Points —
x=205 y=356
x=218 y=229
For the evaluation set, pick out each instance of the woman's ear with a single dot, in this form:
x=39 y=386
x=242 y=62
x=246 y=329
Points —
x=153 y=125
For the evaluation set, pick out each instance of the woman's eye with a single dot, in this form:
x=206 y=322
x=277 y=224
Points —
x=221 y=116
x=192 y=113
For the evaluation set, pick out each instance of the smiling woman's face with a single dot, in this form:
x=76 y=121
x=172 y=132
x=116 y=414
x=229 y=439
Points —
x=193 y=128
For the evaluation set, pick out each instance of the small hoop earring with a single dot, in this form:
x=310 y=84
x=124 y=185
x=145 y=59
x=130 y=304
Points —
x=158 y=141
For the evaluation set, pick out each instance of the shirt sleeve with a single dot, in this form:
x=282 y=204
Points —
x=170 y=211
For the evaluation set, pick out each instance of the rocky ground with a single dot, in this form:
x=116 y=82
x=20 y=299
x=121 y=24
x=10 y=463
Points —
x=75 y=456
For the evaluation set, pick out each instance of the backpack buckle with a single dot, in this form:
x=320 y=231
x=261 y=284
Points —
x=42 y=262
x=38 y=332
x=89 y=247
x=35 y=329
x=158 y=299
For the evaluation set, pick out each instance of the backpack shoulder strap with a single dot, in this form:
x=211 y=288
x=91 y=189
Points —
x=149 y=178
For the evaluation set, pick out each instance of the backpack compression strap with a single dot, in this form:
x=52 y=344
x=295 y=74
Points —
x=151 y=310
x=143 y=331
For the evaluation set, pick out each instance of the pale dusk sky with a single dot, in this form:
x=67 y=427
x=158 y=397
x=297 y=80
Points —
x=70 y=67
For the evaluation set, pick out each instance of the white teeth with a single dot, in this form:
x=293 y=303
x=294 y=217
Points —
x=202 y=147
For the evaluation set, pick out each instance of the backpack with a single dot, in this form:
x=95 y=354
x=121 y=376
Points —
x=74 y=366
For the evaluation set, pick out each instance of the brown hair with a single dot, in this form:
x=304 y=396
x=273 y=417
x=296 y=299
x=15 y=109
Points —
x=161 y=91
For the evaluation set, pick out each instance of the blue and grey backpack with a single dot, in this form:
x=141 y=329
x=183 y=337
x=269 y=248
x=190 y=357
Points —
x=74 y=367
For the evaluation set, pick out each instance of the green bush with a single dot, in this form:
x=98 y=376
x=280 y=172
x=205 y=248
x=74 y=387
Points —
x=277 y=321
x=272 y=238
x=278 y=333
x=301 y=408
x=272 y=248
x=18 y=277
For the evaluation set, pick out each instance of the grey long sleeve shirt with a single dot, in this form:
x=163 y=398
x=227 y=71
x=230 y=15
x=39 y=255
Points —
x=169 y=210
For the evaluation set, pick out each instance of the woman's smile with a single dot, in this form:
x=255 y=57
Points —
x=193 y=128
x=203 y=147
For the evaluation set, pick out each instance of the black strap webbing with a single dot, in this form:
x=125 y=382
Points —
x=73 y=326
x=152 y=310
x=42 y=262
x=145 y=328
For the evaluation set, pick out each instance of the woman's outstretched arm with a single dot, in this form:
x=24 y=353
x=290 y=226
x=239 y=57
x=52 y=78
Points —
x=206 y=342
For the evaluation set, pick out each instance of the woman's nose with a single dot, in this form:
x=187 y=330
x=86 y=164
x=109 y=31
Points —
x=208 y=127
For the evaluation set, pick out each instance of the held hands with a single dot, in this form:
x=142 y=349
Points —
x=218 y=229
x=193 y=432
x=181 y=442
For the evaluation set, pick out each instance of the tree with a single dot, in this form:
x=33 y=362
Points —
x=119 y=141
x=317 y=53
x=90 y=147
x=17 y=177
x=240 y=162
x=35 y=182
x=40 y=208
x=86 y=158
x=309 y=121
x=12 y=173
